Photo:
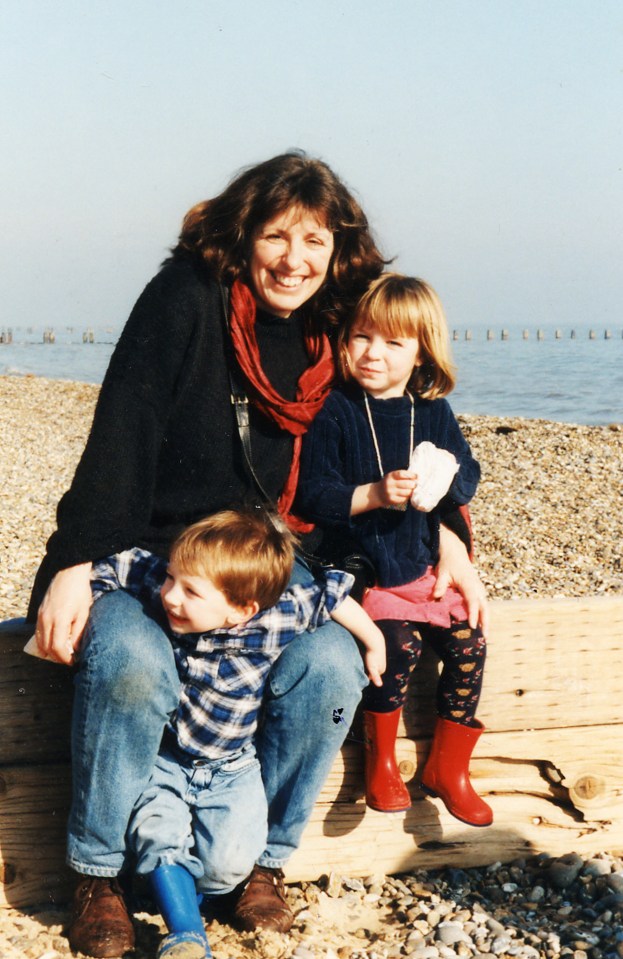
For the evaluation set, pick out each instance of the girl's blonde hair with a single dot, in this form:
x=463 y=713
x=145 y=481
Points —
x=246 y=554
x=406 y=306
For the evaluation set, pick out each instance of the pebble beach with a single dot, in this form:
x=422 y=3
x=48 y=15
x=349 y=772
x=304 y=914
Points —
x=548 y=522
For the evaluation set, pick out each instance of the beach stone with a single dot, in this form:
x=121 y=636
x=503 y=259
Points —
x=500 y=944
x=564 y=870
x=596 y=867
x=615 y=882
x=446 y=952
x=355 y=885
x=450 y=933
x=495 y=927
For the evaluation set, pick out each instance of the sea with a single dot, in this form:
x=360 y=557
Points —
x=563 y=375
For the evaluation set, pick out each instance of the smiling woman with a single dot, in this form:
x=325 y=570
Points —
x=289 y=261
x=288 y=247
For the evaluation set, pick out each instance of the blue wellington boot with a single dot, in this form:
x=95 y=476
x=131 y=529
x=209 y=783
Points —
x=176 y=897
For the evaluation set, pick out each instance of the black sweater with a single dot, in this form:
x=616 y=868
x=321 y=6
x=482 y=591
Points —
x=339 y=455
x=164 y=450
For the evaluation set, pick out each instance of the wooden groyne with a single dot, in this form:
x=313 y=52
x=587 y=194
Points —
x=550 y=762
x=538 y=334
x=48 y=335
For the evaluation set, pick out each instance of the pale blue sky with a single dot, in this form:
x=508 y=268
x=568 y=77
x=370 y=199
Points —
x=483 y=138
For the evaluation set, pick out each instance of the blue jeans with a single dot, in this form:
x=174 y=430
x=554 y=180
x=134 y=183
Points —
x=126 y=687
x=206 y=815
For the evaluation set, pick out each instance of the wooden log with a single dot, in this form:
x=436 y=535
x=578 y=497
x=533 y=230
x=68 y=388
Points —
x=35 y=702
x=550 y=664
x=34 y=801
x=550 y=762
x=551 y=791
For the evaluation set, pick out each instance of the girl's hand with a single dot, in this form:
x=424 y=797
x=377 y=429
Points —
x=396 y=488
x=64 y=612
x=455 y=569
x=376 y=664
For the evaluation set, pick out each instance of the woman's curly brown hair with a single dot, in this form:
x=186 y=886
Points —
x=221 y=231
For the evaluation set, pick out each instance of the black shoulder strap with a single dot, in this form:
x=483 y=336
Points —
x=239 y=399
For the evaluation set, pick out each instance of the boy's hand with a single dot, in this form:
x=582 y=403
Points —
x=376 y=664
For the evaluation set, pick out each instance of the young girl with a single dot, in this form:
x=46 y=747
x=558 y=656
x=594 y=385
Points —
x=395 y=360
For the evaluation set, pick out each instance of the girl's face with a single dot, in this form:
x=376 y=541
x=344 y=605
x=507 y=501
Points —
x=381 y=364
x=290 y=257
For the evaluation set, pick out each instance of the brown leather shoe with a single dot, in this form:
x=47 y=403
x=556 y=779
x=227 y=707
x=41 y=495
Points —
x=100 y=924
x=262 y=904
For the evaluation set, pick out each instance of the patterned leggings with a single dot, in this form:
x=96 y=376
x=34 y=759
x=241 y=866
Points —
x=461 y=649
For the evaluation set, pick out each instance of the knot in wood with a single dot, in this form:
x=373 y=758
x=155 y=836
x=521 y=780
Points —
x=588 y=787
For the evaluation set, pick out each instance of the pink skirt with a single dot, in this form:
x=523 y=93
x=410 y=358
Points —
x=414 y=602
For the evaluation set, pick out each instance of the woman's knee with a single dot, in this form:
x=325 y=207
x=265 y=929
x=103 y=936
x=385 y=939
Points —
x=325 y=661
x=126 y=651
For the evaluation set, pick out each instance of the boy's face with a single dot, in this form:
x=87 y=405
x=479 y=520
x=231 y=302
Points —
x=193 y=604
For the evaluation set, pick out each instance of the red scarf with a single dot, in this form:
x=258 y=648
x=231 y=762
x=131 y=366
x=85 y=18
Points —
x=293 y=416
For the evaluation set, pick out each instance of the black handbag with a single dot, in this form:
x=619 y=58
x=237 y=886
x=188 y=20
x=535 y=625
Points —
x=337 y=551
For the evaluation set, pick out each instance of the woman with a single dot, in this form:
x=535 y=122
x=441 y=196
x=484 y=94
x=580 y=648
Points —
x=282 y=255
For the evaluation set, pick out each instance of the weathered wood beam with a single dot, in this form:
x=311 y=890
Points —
x=550 y=762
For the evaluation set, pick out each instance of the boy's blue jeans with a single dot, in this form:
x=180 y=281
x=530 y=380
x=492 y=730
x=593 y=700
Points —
x=127 y=685
x=206 y=815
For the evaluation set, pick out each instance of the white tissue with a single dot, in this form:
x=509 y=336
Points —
x=435 y=471
x=32 y=648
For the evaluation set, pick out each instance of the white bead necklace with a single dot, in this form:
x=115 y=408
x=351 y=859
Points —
x=374 y=437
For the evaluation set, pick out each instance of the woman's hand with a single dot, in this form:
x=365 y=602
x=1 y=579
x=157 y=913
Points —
x=455 y=569
x=64 y=612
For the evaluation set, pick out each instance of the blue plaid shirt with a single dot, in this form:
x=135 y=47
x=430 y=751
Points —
x=223 y=671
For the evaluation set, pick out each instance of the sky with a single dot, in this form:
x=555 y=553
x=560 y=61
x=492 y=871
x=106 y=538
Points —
x=483 y=138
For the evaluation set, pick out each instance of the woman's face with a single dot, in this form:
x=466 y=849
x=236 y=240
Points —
x=290 y=257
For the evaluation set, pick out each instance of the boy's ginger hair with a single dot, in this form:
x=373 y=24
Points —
x=247 y=554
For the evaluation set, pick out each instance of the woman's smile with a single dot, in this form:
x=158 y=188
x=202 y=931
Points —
x=289 y=261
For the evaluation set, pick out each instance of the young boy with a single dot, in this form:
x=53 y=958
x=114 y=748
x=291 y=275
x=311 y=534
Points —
x=202 y=821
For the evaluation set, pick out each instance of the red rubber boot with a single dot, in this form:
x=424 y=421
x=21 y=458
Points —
x=385 y=790
x=446 y=773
